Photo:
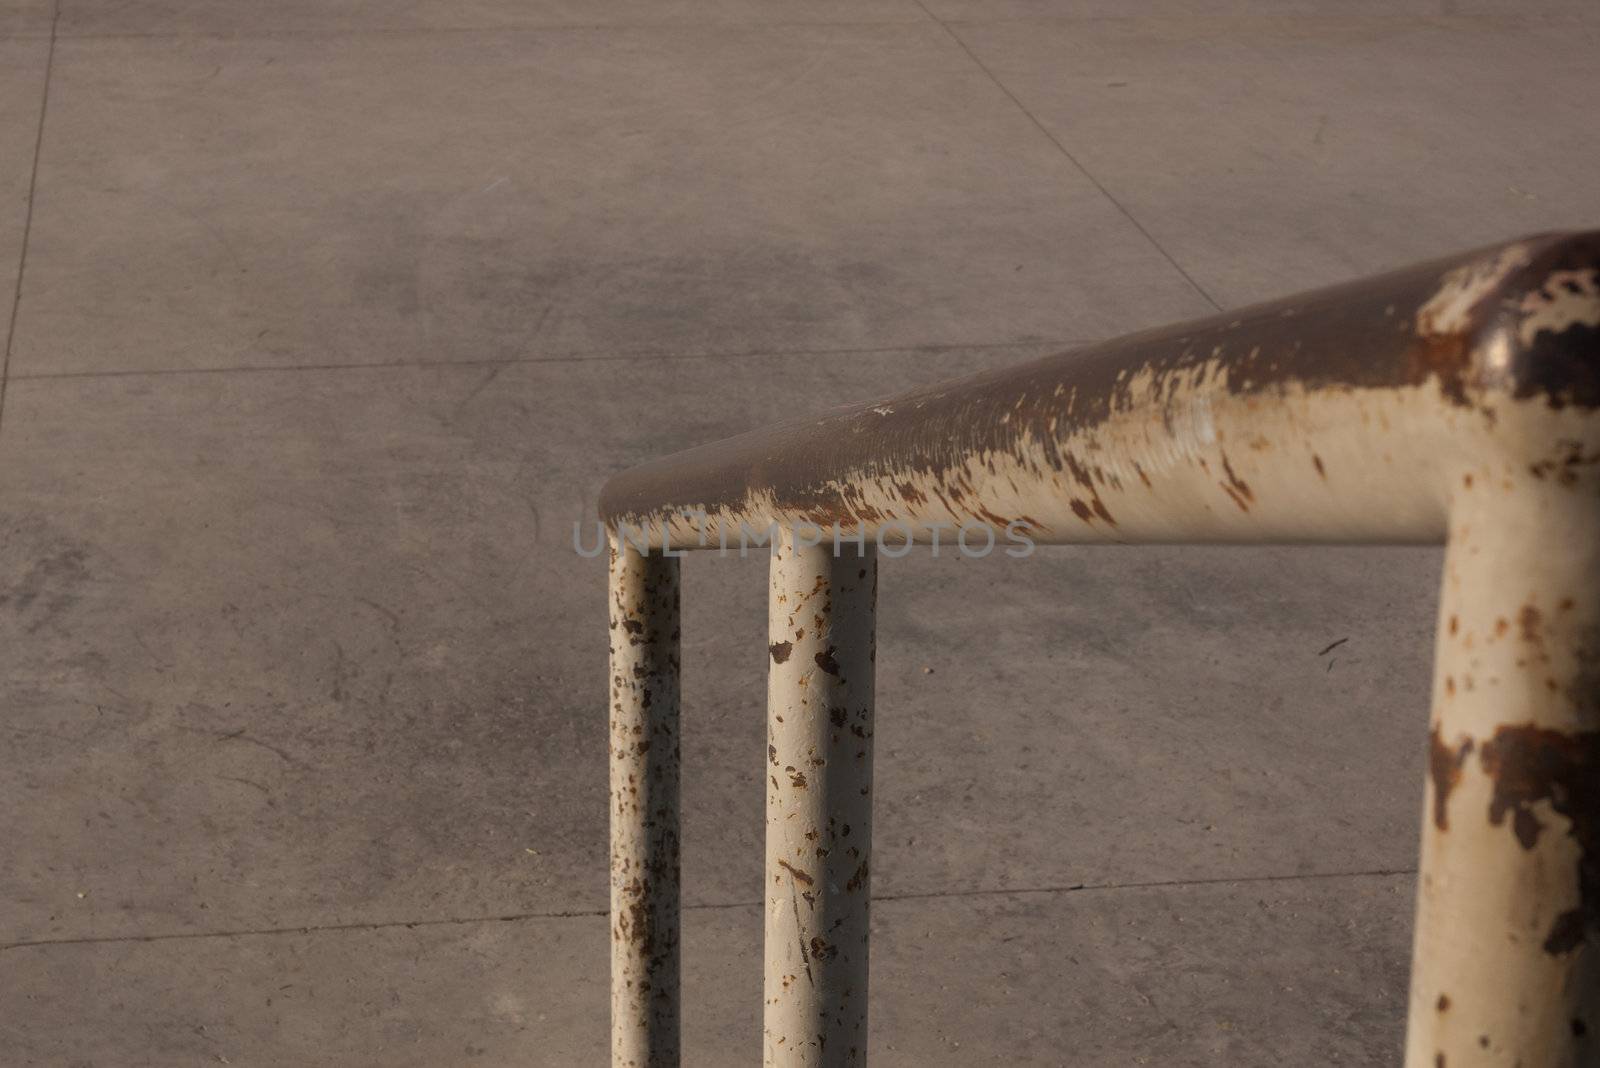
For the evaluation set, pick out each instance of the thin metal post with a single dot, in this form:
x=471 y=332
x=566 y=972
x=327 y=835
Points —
x=644 y=809
x=821 y=627
x=1506 y=963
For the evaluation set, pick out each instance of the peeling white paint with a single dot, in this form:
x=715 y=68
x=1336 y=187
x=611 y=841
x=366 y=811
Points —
x=1567 y=299
x=1450 y=310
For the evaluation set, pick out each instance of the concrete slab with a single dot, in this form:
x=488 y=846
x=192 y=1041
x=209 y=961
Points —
x=26 y=18
x=1247 y=974
x=224 y=203
x=1258 y=151
x=147 y=17
x=302 y=648
x=22 y=66
x=987 y=10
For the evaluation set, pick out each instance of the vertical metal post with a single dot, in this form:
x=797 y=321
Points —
x=644 y=809
x=1506 y=962
x=821 y=630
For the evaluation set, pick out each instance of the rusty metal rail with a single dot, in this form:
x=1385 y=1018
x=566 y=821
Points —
x=1456 y=401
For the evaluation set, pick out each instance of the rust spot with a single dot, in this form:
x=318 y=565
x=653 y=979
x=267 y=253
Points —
x=1455 y=624
x=1500 y=627
x=1444 y=765
x=1082 y=511
x=799 y=876
x=822 y=950
x=780 y=651
x=633 y=626
x=1530 y=764
x=1528 y=619
x=797 y=779
x=1466 y=480
x=826 y=662
x=1316 y=461
x=1444 y=1003
x=1443 y=356
x=859 y=879
x=1238 y=485
x=1579 y=1028
x=1142 y=476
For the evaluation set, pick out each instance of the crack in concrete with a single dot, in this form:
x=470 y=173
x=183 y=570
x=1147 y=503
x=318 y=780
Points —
x=27 y=217
x=704 y=907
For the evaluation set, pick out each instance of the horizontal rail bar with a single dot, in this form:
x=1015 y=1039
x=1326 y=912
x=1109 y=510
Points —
x=1341 y=415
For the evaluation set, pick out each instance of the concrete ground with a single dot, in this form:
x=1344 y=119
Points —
x=332 y=316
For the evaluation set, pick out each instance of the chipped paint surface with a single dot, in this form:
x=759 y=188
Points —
x=819 y=806
x=1451 y=309
x=1456 y=401
x=1566 y=299
x=644 y=810
x=1508 y=905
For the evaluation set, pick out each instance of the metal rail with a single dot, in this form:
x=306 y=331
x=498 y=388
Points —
x=1457 y=401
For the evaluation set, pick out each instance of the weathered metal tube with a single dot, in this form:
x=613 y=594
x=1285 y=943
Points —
x=819 y=803
x=1506 y=967
x=1330 y=416
x=644 y=809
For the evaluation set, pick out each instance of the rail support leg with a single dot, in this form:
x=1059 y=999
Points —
x=644 y=809
x=1507 y=945
x=819 y=803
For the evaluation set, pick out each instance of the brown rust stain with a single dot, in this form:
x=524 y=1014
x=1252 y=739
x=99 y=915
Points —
x=1316 y=461
x=859 y=879
x=1529 y=764
x=1446 y=357
x=1444 y=765
x=1529 y=621
x=780 y=651
x=799 y=876
x=1235 y=483
x=826 y=662
x=1443 y=1003
x=1564 y=468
